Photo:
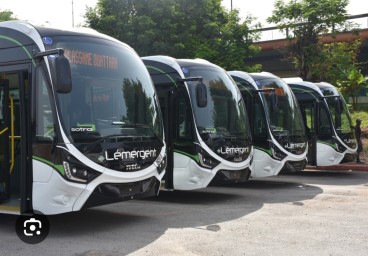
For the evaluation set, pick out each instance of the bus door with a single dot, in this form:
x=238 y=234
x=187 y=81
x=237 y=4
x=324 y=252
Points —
x=4 y=141
x=167 y=96
x=309 y=112
x=15 y=157
x=324 y=125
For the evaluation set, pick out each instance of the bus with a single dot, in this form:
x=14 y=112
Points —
x=278 y=134
x=328 y=124
x=205 y=122
x=80 y=124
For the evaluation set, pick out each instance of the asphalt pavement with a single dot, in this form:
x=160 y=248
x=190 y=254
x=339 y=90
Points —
x=314 y=212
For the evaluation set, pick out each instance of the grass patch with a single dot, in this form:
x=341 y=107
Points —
x=362 y=115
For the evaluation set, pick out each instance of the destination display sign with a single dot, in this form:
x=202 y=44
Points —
x=91 y=59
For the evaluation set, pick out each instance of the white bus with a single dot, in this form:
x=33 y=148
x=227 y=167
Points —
x=205 y=120
x=330 y=131
x=278 y=133
x=80 y=124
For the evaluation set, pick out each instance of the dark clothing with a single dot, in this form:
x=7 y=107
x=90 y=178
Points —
x=360 y=147
x=358 y=133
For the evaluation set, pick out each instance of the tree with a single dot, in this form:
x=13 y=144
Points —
x=6 y=15
x=336 y=61
x=304 y=21
x=177 y=28
x=352 y=86
x=233 y=45
x=338 y=64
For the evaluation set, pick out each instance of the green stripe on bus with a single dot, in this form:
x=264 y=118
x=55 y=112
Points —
x=268 y=151
x=18 y=43
x=194 y=157
x=58 y=167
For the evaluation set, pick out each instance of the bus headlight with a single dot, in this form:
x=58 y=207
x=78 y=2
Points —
x=205 y=160
x=276 y=152
x=161 y=164
x=338 y=146
x=79 y=173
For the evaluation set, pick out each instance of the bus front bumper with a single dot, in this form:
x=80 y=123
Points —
x=108 y=193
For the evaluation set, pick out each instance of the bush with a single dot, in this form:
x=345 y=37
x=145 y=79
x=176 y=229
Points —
x=362 y=115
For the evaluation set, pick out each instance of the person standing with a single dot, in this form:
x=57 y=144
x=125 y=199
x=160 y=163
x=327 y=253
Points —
x=358 y=132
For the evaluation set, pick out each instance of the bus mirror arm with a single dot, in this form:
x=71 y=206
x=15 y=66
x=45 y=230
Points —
x=273 y=96
x=61 y=71
x=338 y=103
x=189 y=79
x=57 y=51
x=201 y=90
x=266 y=90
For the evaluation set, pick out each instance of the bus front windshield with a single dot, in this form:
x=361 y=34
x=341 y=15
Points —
x=282 y=113
x=112 y=94
x=341 y=120
x=224 y=116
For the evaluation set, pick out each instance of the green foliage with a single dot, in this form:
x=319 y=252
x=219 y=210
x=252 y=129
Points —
x=362 y=115
x=336 y=61
x=6 y=15
x=232 y=46
x=354 y=83
x=303 y=21
x=337 y=64
x=177 y=28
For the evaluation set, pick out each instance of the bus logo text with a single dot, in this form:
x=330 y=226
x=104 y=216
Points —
x=227 y=150
x=81 y=129
x=294 y=145
x=131 y=167
x=143 y=154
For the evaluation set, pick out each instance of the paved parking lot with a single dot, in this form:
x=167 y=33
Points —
x=312 y=213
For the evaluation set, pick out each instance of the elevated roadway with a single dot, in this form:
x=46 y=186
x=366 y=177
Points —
x=273 y=52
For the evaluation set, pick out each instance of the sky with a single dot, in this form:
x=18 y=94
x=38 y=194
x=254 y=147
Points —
x=59 y=12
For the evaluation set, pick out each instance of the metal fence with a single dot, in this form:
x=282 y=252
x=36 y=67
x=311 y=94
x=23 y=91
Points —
x=273 y=33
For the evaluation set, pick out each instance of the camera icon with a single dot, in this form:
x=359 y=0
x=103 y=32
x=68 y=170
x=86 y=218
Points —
x=32 y=227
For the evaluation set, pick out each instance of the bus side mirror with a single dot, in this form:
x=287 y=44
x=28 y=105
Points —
x=272 y=96
x=201 y=94
x=273 y=101
x=63 y=76
x=339 y=106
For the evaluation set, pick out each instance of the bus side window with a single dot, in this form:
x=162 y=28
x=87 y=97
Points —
x=44 y=118
x=2 y=108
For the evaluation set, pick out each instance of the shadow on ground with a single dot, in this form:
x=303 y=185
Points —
x=122 y=228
